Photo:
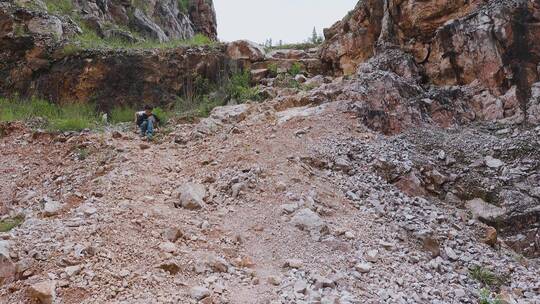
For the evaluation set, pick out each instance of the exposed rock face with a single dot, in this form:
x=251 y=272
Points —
x=245 y=50
x=203 y=16
x=36 y=65
x=490 y=48
x=160 y=20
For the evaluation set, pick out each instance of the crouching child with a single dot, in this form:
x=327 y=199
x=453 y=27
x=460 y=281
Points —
x=147 y=122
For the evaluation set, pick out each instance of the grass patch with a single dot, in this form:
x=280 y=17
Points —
x=295 y=69
x=183 y=6
x=10 y=223
x=89 y=39
x=293 y=46
x=487 y=277
x=122 y=114
x=82 y=153
x=64 y=7
x=72 y=117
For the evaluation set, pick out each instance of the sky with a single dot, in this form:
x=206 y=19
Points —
x=288 y=20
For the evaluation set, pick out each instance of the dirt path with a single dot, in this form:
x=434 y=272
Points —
x=120 y=239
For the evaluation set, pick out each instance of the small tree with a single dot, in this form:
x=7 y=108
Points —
x=315 y=37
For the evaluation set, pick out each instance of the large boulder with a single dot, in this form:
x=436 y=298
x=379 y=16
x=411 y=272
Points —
x=49 y=25
x=245 y=50
x=44 y=292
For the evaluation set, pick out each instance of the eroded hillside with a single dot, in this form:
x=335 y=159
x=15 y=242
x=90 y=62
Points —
x=397 y=163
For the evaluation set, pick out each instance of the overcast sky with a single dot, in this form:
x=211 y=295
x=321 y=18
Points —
x=288 y=20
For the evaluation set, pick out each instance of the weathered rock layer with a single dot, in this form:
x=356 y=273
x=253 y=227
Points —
x=486 y=49
x=34 y=63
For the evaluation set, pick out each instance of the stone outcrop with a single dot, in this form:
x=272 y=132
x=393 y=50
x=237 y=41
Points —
x=488 y=50
x=34 y=62
x=160 y=20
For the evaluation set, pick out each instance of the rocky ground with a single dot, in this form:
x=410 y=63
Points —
x=398 y=164
x=258 y=205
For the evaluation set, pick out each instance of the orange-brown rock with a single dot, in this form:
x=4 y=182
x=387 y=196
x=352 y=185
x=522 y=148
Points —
x=491 y=236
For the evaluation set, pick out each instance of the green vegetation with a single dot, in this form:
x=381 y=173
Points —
x=486 y=297
x=82 y=153
x=272 y=69
x=183 y=5
x=199 y=98
x=71 y=117
x=295 y=69
x=487 y=277
x=10 y=223
x=122 y=114
x=89 y=39
x=64 y=7
x=240 y=89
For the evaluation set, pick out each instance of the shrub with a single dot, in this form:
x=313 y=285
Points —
x=10 y=223
x=183 y=5
x=486 y=297
x=239 y=87
x=163 y=115
x=272 y=69
x=487 y=277
x=295 y=69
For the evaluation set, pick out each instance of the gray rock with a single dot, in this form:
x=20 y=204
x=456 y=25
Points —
x=289 y=208
x=72 y=270
x=199 y=292
x=308 y=220
x=51 y=208
x=372 y=256
x=148 y=27
x=450 y=253
x=484 y=211
x=363 y=267
x=167 y=247
x=192 y=196
x=51 y=26
x=493 y=162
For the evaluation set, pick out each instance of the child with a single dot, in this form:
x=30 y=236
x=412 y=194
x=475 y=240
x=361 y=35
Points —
x=146 y=121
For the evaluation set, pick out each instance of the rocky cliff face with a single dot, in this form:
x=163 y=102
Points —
x=160 y=20
x=34 y=63
x=487 y=52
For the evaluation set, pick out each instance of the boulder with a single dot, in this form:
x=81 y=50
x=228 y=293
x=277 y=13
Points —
x=310 y=221
x=51 y=207
x=44 y=292
x=484 y=211
x=245 y=50
x=191 y=196
x=49 y=26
